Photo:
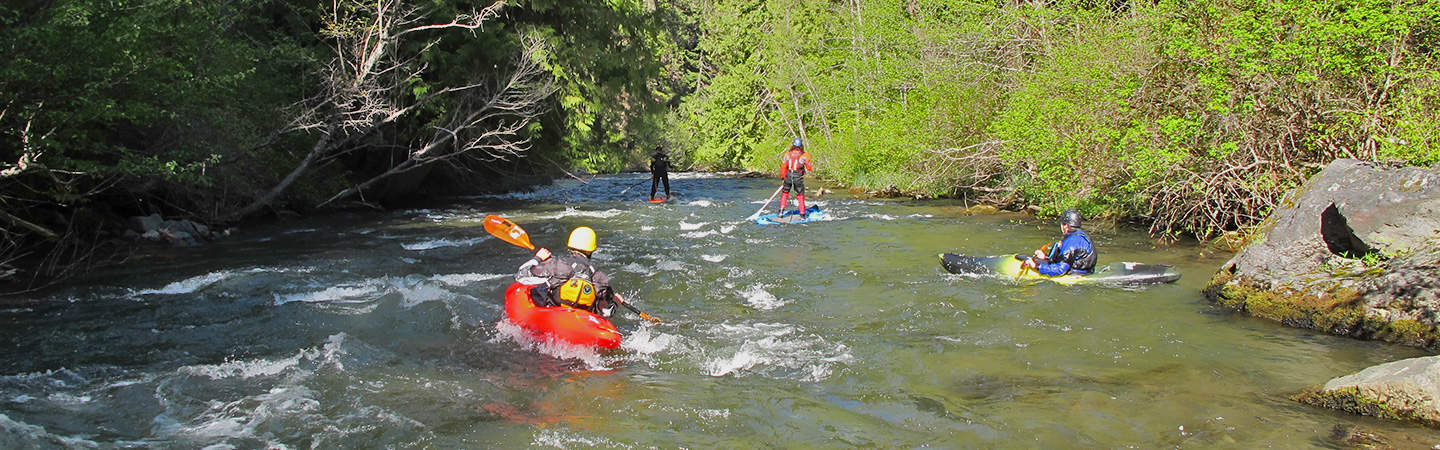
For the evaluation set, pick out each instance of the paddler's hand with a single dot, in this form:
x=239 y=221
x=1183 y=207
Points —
x=542 y=254
x=1039 y=255
x=1029 y=263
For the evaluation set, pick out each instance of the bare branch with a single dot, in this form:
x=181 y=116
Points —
x=490 y=129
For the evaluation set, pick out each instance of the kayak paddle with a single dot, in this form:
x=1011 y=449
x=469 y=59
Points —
x=622 y=302
x=767 y=203
x=510 y=232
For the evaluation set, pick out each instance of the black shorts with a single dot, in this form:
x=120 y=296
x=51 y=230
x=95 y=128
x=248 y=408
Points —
x=794 y=183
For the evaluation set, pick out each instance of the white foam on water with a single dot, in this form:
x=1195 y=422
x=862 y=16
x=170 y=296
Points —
x=776 y=350
x=727 y=229
x=438 y=243
x=324 y=355
x=741 y=360
x=189 y=285
x=701 y=203
x=880 y=216
x=647 y=228
x=415 y=294
x=466 y=279
x=572 y=212
x=713 y=258
x=249 y=368
x=246 y=417
x=562 y=439
x=691 y=226
x=337 y=294
x=68 y=399
x=647 y=341
x=38 y=437
x=547 y=345
x=670 y=266
x=634 y=268
x=757 y=297
x=700 y=234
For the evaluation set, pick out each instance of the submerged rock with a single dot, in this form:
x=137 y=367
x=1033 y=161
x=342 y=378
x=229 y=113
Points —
x=180 y=233
x=1407 y=390
x=1355 y=251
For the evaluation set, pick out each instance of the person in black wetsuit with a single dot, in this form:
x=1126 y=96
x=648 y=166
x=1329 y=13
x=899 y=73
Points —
x=659 y=171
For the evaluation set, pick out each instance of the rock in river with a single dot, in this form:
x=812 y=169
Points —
x=1407 y=390
x=1355 y=251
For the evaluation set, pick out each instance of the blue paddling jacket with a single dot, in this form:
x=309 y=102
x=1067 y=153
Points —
x=1074 y=254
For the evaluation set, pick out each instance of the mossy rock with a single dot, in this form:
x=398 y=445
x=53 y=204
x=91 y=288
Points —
x=1338 y=312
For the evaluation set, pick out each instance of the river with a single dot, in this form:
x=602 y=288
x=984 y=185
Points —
x=387 y=330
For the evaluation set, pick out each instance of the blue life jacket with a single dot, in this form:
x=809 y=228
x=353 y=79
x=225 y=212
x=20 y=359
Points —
x=1074 y=254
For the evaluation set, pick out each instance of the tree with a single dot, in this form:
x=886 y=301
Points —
x=368 y=84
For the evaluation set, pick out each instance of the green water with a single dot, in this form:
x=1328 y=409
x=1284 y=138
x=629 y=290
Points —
x=388 y=330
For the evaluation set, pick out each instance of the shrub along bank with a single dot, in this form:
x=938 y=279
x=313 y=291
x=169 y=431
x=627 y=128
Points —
x=1194 y=116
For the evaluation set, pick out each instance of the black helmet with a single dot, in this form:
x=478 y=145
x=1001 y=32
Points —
x=1070 y=217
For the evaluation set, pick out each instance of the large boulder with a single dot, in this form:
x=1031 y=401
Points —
x=1354 y=251
x=1406 y=390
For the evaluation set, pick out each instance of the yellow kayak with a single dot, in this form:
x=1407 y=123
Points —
x=1120 y=273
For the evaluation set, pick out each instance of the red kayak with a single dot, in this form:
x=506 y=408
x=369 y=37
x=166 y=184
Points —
x=574 y=326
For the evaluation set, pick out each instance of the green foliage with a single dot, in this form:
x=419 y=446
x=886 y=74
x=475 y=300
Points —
x=1197 y=116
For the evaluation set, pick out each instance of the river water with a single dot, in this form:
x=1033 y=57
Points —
x=388 y=330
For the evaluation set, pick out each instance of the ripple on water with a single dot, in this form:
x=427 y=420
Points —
x=189 y=285
x=247 y=402
x=774 y=350
x=438 y=243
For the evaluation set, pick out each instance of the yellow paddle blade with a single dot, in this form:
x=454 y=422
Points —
x=508 y=231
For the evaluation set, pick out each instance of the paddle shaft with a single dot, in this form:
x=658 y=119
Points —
x=767 y=203
x=621 y=300
x=633 y=186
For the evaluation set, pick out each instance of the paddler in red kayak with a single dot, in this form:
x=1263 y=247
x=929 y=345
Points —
x=792 y=168
x=569 y=279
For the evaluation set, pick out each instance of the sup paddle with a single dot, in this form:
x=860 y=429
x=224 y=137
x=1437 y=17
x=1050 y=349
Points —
x=767 y=203
x=633 y=186
x=510 y=232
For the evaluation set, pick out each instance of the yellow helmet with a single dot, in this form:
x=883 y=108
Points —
x=582 y=239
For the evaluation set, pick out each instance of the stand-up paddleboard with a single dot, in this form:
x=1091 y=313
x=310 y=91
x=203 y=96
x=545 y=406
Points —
x=659 y=200
x=813 y=213
x=1008 y=266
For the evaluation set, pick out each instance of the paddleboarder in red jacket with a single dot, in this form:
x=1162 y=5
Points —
x=793 y=167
